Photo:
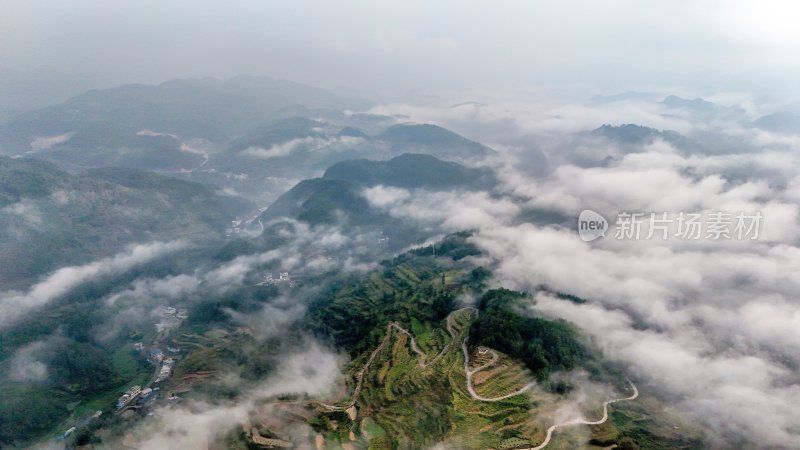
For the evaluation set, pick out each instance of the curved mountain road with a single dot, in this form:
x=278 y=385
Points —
x=469 y=373
x=585 y=422
x=472 y=372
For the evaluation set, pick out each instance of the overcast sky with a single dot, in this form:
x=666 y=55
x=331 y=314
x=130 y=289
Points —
x=395 y=47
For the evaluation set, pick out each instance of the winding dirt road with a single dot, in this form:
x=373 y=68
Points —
x=472 y=372
x=583 y=421
x=423 y=363
x=422 y=356
x=414 y=347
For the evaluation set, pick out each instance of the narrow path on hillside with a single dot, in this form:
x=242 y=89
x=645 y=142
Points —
x=360 y=376
x=414 y=347
x=423 y=363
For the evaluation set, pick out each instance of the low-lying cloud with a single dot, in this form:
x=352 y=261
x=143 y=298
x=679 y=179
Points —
x=26 y=366
x=15 y=305
x=314 y=370
x=282 y=149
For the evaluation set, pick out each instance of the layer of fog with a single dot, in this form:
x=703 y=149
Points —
x=713 y=326
x=304 y=250
x=314 y=370
x=308 y=369
x=15 y=305
x=315 y=144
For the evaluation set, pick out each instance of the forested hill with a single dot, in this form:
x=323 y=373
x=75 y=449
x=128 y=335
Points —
x=543 y=345
x=410 y=170
x=50 y=218
x=339 y=189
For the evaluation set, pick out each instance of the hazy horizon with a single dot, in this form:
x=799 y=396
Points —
x=402 y=50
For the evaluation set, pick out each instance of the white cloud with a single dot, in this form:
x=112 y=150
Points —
x=317 y=144
x=452 y=211
x=25 y=366
x=499 y=120
x=314 y=370
x=14 y=305
x=281 y=149
x=47 y=142
x=27 y=210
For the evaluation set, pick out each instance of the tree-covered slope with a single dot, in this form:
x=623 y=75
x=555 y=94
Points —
x=543 y=345
x=410 y=170
x=204 y=108
x=433 y=139
x=337 y=195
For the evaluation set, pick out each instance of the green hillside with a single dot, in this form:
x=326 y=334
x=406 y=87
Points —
x=410 y=170
x=52 y=218
x=433 y=139
x=337 y=195
x=408 y=338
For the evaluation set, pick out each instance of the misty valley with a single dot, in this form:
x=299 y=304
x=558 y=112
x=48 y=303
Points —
x=463 y=226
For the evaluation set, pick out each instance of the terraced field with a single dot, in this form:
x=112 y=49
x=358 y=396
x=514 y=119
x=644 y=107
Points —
x=410 y=379
x=502 y=378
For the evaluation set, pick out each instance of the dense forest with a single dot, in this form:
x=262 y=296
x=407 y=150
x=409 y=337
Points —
x=543 y=345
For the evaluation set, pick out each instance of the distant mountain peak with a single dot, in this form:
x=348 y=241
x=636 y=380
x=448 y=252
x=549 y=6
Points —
x=673 y=101
x=208 y=108
x=781 y=122
x=316 y=199
x=432 y=139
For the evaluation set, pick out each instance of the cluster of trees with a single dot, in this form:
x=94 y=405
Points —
x=27 y=178
x=352 y=311
x=543 y=345
x=455 y=246
x=82 y=366
x=25 y=413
